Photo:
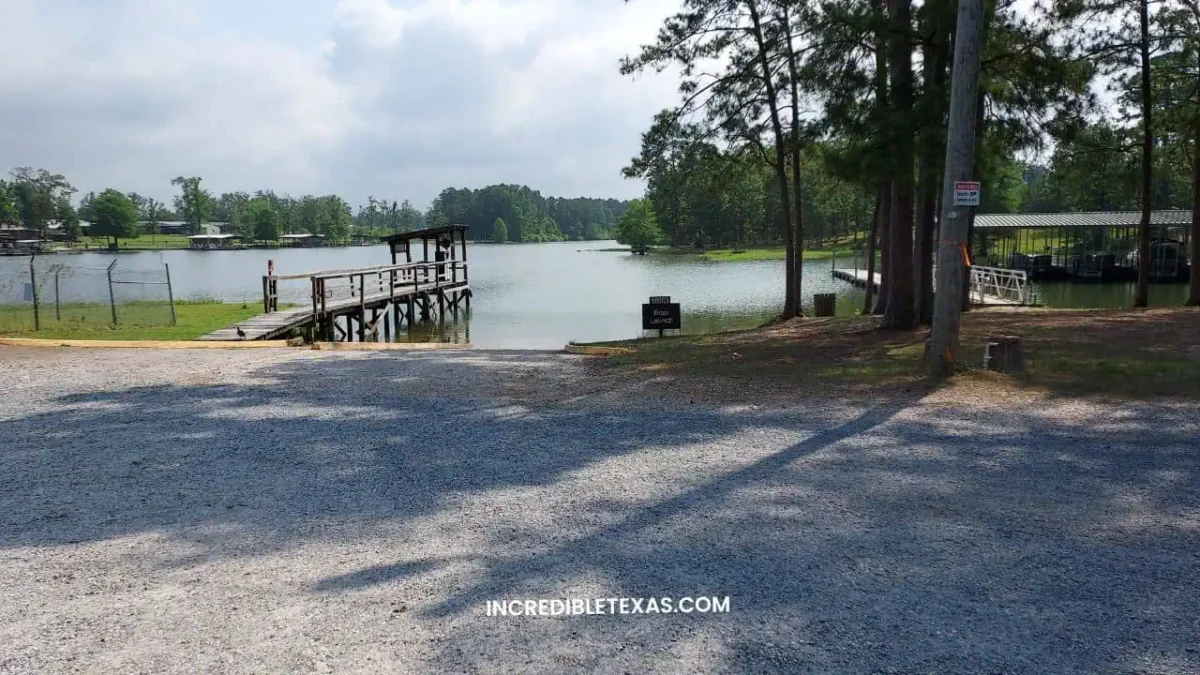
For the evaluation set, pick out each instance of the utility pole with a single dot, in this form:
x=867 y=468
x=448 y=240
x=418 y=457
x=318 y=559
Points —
x=960 y=156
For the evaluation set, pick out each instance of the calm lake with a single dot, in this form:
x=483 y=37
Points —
x=545 y=295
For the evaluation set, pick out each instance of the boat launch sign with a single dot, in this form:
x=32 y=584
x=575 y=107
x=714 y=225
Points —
x=661 y=314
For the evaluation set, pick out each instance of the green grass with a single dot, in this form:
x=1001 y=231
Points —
x=776 y=253
x=1112 y=354
x=844 y=246
x=146 y=242
x=136 y=321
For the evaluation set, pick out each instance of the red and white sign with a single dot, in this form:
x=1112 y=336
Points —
x=966 y=193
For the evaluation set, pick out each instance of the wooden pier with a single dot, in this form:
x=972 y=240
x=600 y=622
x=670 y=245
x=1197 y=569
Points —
x=365 y=304
x=989 y=285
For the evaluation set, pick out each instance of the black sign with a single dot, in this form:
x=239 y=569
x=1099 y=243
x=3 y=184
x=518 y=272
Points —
x=660 y=299
x=661 y=317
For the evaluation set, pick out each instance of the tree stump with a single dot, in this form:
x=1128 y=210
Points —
x=1003 y=354
x=824 y=304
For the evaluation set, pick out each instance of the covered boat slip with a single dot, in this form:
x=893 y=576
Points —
x=364 y=304
x=1094 y=246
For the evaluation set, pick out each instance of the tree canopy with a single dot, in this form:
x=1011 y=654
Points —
x=262 y=218
x=638 y=227
x=801 y=121
x=114 y=215
x=194 y=204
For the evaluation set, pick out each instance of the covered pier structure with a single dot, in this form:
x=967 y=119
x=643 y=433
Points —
x=1087 y=246
x=363 y=304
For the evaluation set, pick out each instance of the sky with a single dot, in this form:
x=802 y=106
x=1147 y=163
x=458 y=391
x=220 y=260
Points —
x=392 y=98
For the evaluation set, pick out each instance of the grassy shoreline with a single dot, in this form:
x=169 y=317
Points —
x=145 y=320
x=1115 y=354
x=739 y=255
x=748 y=254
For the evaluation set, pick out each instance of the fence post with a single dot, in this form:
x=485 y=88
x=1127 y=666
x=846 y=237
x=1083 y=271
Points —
x=57 y=306
x=170 y=292
x=112 y=299
x=37 y=320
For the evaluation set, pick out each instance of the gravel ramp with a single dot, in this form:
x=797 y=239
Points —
x=295 y=511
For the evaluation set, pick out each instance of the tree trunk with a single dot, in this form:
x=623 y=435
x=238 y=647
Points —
x=1141 y=298
x=1194 y=237
x=927 y=207
x=936 y=59
x=874 y=236
x=976 y=172
x=943 y=344
x=885 y=226
x=899 y=313
x=797 y=183
x=790 y=308
x=883 y=221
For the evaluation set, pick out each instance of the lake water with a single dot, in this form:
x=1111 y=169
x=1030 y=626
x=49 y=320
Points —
x=545 y=295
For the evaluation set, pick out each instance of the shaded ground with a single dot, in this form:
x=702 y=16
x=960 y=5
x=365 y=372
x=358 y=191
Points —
x=297 y=511
x=1109 y=353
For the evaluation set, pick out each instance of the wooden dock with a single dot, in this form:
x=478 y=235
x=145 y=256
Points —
x=365 y=304
x=273 y=324
x=989 y=286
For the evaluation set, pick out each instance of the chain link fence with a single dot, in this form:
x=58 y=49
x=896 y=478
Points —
x=46 y=293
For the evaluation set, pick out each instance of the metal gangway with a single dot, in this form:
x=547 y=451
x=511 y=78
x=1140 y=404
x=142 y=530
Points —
x=999 y=286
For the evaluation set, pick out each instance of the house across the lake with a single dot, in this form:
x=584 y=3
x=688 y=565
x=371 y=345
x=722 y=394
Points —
x=182 y=227
x=301 y=240
x=210 y=242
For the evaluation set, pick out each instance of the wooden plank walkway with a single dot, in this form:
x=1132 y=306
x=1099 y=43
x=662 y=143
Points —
x=859 y=279
x=274 y=324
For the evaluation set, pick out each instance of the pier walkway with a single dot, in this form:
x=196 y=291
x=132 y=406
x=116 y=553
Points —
x=989 y=285
x=361 y=303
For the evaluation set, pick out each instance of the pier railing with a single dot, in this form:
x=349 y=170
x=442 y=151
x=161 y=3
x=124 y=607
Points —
x=366 y=284
x=989 y=283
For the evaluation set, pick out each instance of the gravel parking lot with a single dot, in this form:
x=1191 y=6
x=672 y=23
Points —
x=296 y=511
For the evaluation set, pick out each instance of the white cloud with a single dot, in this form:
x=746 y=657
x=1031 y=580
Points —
x=396 y=101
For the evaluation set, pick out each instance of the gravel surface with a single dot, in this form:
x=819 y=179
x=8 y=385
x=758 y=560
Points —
x=297 y=511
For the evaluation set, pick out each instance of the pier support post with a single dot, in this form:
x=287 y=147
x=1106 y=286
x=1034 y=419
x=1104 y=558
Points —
x=387 y=326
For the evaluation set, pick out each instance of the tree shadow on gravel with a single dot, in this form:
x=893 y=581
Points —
x=950 y=542
x=906 y=537
x=372 y=439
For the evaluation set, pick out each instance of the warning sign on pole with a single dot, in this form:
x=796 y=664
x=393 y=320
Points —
x=966 y=193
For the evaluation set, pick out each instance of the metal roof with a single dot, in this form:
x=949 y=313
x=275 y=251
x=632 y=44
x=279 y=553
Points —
x=1086 y=219
x=431 y=233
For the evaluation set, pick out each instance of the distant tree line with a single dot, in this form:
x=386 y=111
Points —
x=526 y=215
x=706 y=197
x=37 y=198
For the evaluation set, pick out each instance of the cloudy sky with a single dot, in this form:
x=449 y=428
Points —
x=395 y=98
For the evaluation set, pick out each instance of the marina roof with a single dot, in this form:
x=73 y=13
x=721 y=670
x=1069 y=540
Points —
x=302 y=235
x=212 y=236
x=1083 y=219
